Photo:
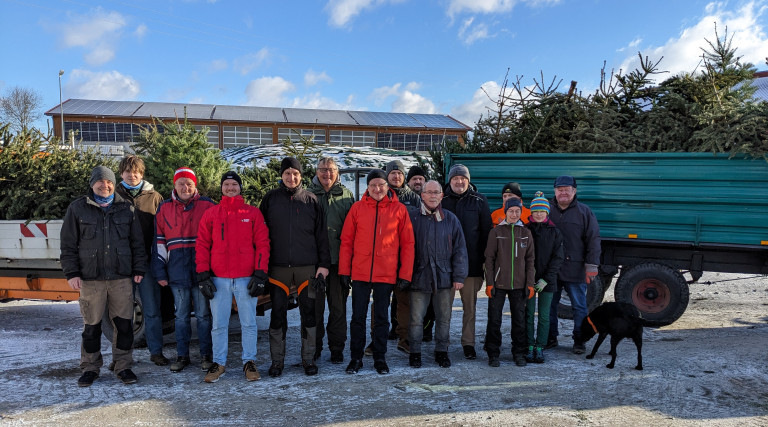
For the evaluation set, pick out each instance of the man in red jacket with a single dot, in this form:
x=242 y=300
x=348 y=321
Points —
x=377 y=252
x=232 y=255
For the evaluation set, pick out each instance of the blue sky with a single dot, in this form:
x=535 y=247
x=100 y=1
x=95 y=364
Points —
x=423 y=56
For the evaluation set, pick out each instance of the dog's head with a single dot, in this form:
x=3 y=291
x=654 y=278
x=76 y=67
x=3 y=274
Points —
x=588 y=330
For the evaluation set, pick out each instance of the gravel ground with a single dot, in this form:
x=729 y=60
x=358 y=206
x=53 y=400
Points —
x=709 y=368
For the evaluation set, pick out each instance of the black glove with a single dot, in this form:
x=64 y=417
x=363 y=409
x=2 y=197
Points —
x=257 y=284
x=403 y=284
x=204 y=282
x=345 y=282
x=318 y=284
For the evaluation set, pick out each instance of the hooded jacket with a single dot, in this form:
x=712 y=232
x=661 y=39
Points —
x=176 y=227
x=146 y=204
x=102 y=244
x=297 y=230
x=377 y=241
x=510 y=257
x=336 y=203
x=550 y=254
x=232 y=240
x=441 y=253
x=471 y=208
x=581 y=238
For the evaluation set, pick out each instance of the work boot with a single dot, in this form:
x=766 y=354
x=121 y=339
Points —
x=309 y=368
x=87 y=379
x=441 y=357
x=215 y=372
x=159 y=359
x=414 y=360
x=127 y=376
x=578 y=348
x=530 y=355
x=337 y=356
x=519 y=359
x=493 y=361
x=354 y=366
x=381 y=366
x=207 y=363
x=276 y=369
x=538 y=355
x=251 y=373
x=469 y=352
x=180 y=363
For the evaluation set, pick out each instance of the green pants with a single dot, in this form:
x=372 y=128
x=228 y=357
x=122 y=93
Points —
x=544 y=301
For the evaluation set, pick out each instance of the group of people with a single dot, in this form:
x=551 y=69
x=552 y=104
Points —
x=410 y=243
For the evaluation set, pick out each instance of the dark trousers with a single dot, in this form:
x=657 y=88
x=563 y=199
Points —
x=517 y=300
x=284 y=282
x=361 y=295
x=337 y=312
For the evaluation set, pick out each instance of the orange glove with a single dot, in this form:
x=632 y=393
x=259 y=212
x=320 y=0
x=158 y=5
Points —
x=490 y=291
x=531 y=292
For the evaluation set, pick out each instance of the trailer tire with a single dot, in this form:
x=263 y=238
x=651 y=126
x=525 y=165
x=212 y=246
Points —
x=595 y=294
x=108 y=330
x=658 y=291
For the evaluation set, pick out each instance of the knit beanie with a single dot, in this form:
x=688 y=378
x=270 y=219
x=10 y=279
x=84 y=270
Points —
x=394 y=165
x=375 y=173
x=511 y=203
x=540 y=203
x=232 y=175
x=290 y=162
x=416 y=170
x=184 y=172
x=514 y=188
x=458 y=170
x=101 y=172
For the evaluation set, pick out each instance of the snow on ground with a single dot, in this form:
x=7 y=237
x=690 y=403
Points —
x=710 y=367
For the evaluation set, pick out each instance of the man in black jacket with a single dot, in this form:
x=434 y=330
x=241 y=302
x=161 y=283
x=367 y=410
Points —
x=102 y=249
x=473 y=212
x=299 y=255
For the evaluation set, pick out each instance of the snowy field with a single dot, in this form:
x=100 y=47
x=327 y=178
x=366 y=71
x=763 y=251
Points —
x=708 y=368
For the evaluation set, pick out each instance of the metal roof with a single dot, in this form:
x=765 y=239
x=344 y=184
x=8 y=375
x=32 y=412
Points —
x=234 y=113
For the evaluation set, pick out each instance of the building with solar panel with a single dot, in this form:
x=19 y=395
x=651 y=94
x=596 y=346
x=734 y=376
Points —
x=117 y=123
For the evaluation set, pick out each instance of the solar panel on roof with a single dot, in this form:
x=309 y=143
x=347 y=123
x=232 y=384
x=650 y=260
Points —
x=249 y=114
x=99 y=108
x=331 y=117
x=385 y=119
x=438 y=121
x=169 y=110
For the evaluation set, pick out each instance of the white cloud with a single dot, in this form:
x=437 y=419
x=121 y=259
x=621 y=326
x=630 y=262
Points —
x=108 y=85
x=312 y=78
x=317 y=101
x=247 y=63
x=469 y=33
x=98 y=32
x=343 y=11
x=479 y=6
x=140 y=31
x=268 y=91
x=217 y=65
x=469 y=112
x=683 y=53
x=406 y=100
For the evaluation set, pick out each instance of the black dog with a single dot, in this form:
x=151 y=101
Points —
x=620 y=320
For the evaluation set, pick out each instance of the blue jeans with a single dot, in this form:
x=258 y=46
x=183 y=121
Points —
x=442 y=301
x=221 y=309
x=185 y=299
x=149 y=291
x=577 y=292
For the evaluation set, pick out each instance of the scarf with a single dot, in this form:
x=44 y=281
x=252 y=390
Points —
x=104 y=202
x=133 y=191
x=437 y=213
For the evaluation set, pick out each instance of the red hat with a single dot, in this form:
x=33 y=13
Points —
x=184 y=172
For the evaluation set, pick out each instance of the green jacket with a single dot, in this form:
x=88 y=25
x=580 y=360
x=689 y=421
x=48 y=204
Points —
x=336 y=204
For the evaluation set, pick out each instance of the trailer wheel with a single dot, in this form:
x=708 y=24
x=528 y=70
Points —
x=108 y=330
x=658 y=291
x=595 y=294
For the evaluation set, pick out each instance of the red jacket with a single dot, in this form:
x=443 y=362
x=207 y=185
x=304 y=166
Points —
x=232 y=240
x=377 y=242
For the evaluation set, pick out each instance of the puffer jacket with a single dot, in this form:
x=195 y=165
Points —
x=176 y=226
x=377 y=241
x=99 y=244
x=336 y=203
x=297 y=230
x=550 y=254
x=441 y=253
x=407 y=197
x=146 y=204
x=581 y=238
x=232 y=240
x=510 y=257
x=474 y=215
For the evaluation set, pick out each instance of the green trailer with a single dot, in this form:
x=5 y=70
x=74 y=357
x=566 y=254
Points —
x=661 y=215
